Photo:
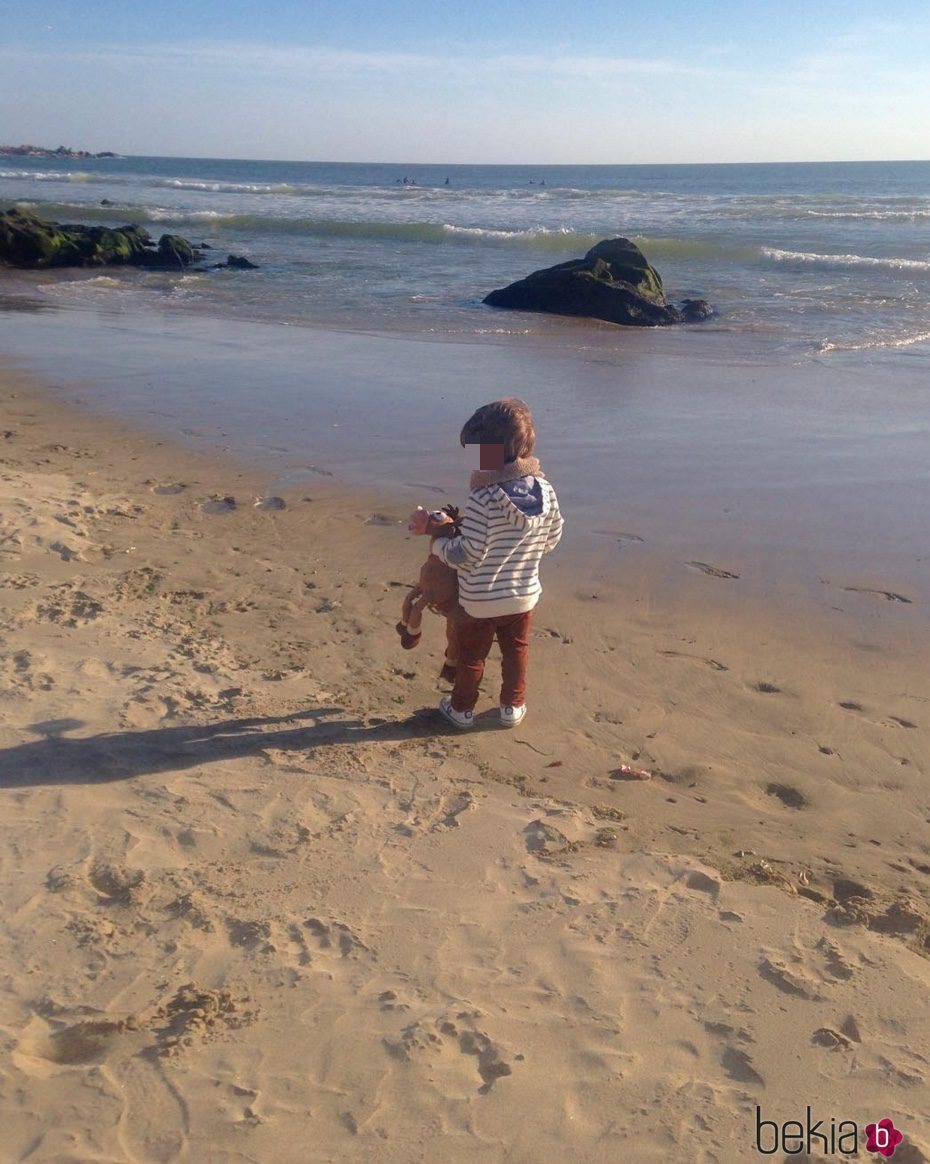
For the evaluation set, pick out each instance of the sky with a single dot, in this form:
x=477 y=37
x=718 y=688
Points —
x=480 y=81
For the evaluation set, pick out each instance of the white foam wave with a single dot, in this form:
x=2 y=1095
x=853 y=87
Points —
x=874 y=215
x=43 y=175
x=781 y=256
x=165 y=214
x=487 y=232
x=228 y=187
x=873 y=344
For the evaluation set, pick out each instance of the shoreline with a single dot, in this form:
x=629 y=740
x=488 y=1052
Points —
x=806 y=480
x=390 y=928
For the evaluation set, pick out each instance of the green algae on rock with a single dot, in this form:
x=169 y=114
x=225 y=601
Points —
x=28 y=241
x=614 y=282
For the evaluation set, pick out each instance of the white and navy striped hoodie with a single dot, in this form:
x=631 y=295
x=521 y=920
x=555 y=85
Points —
x=507 y=527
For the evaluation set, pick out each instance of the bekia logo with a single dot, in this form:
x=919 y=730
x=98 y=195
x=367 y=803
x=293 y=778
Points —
x=882 y=1137
x=832 y=1137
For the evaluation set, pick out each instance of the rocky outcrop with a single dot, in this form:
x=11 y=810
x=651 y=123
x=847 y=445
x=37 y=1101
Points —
x=614 y=282
x=28 y=241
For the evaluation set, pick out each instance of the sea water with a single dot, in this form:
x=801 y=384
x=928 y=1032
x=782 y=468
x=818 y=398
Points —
x=790 y=434
x=814 y=257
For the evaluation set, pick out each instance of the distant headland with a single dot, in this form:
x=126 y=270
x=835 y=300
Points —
x=33 y=151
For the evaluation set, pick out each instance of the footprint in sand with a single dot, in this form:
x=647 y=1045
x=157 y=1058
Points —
x=270 y=503
x=551 y=633
x=66 y=1045
x=251 y=935
x=115 y=884
x=712 y=571
x=18 y=581
x=702 y=883
x=447 y=1032
x=788 y=980
x=735 y=1060
x=789 y=796
x=738 y=1065
x=766 y=688
x=426 y=488
x=67 y=607
x=153 y=1124
x=836 y=964
x=831 y=1039
x=619 y=536
x=443 y=813
x=219 y=505
x=888 y=595
x=712 y=663
x=169 y=490
x=336 y=936
x=545 y=841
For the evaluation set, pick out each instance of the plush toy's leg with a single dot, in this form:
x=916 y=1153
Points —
x=452 y=651
x=410 y=627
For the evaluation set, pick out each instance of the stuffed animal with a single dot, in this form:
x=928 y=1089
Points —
x=437 y=589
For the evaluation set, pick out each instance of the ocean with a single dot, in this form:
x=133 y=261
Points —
x=812 y=257
x=786 y=440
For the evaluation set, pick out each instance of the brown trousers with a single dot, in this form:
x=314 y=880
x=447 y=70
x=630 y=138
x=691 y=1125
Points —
x=475 y=639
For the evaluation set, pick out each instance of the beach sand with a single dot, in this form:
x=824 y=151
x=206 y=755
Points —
x=261 y=905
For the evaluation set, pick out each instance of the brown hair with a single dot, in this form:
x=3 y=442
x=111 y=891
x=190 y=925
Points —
x=507 y=422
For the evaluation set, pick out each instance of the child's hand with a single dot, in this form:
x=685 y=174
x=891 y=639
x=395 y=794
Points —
x=419 y=520
x=423 y=521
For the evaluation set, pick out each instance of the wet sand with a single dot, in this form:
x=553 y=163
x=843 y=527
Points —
x=261 y=905
x=703 y=444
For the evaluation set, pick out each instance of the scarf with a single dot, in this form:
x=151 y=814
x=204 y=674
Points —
x=521 y=467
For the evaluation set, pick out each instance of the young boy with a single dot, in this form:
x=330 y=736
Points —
x=512 y=518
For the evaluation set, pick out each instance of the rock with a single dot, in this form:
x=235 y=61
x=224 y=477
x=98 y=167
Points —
x=236 y=263
x=614 y=282
x=174 y=251
x=28 y=241
x=694 y=310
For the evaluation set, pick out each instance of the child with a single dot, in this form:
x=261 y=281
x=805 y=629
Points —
x=512 y=518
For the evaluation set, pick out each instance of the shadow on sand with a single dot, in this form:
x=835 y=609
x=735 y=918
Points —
x=57 y=759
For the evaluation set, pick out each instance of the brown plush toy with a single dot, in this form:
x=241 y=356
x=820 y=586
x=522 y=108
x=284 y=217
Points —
x=437 y=589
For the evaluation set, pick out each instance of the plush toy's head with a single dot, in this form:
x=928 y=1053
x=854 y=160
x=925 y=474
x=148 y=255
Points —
x=445 y=522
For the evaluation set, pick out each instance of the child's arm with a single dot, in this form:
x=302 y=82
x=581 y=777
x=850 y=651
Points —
x=468 y=550
x=555 y=527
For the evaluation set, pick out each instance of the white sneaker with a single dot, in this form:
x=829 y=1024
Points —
x=460 y=719
x=511 y=716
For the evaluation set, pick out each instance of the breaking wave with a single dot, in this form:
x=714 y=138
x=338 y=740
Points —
x=896 y=264
x=875 y=344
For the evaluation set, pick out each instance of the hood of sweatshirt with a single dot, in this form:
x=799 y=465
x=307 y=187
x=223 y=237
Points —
x=523 y=501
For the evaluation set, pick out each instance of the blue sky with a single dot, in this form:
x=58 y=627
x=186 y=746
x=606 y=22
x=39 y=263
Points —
x=481 y=81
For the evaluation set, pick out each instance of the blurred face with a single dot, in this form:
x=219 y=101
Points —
x=485 y=456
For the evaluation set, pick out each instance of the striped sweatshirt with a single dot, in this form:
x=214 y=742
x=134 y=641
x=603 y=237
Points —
x=502 y=540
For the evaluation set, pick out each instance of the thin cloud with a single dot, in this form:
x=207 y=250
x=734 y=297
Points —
x=282 y=60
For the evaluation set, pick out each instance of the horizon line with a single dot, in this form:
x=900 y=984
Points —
x=119 y=155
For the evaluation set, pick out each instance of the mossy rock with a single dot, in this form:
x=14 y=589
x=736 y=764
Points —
x=175 y=251
x=614 y=281
x=28 y=241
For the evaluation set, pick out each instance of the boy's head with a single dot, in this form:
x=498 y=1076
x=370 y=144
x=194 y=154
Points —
x=508 y=423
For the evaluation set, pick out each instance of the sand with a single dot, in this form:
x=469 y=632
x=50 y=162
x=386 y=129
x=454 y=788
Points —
x=261 y=905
